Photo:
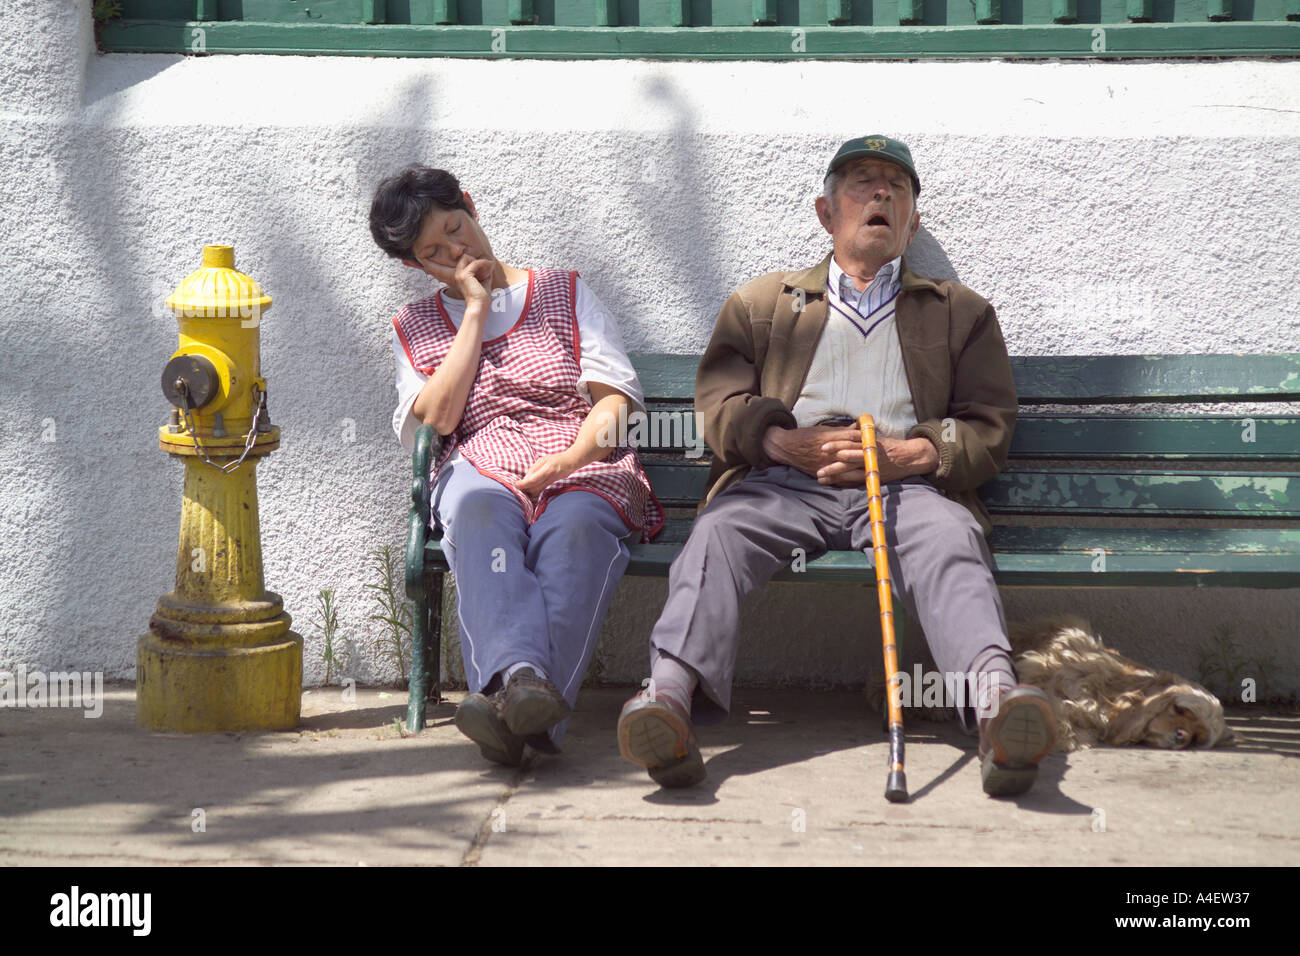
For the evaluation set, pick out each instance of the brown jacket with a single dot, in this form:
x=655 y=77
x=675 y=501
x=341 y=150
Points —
x=953 y=353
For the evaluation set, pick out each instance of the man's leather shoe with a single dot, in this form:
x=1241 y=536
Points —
x=479 y=718
x=1015 y=739
x=657 y=734
x=532 y=704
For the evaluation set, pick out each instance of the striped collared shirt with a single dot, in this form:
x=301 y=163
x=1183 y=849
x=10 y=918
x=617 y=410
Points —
x=846 y=299
x=858 y=363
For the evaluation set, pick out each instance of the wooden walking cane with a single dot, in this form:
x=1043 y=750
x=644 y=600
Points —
x=896 y=784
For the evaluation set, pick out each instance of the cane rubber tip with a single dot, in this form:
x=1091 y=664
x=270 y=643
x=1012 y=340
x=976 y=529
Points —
x=896 y=787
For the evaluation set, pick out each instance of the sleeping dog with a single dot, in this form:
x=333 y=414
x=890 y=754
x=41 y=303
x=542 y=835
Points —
x=1101 y=696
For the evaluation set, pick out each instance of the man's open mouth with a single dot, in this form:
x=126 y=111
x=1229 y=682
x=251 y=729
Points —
x=877 y=220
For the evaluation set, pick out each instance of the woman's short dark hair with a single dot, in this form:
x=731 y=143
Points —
x=403 y=200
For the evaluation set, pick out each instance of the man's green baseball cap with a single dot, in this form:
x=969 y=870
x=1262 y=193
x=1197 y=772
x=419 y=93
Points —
x=879 y=147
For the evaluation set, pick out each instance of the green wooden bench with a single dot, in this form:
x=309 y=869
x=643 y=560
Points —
x=1087 y=498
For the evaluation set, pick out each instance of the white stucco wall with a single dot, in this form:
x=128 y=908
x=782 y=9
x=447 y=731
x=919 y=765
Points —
x=1129 y=207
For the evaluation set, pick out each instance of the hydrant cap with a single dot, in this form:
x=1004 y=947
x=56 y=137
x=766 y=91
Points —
x=217 y=290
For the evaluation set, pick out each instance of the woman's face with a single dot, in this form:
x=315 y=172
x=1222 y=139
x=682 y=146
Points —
x=449 y=234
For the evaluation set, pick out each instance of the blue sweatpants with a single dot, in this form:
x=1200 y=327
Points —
x=528 y=593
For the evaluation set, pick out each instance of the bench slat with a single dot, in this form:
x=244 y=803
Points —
x=1135 y=437
x=1080 y=491
x=678 y=486
x=1074 y=379
x=1102 y=379
x=1149 y=438
x=1186 y=493
x=1165 y=558
x=1078 y=541
x=1256 y=541
x=666 y=377
x=1144 y=570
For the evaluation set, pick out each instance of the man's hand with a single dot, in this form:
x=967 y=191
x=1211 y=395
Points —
x=805 y=448
x=897 y=458
x=546 y=471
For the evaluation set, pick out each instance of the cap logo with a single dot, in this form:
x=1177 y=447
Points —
x=876 y=144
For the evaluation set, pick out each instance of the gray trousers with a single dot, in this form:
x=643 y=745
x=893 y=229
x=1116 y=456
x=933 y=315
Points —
x=939 y=563
x=525 y=592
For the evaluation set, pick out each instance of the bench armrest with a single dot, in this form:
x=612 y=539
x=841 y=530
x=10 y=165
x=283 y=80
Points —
x=427 y=445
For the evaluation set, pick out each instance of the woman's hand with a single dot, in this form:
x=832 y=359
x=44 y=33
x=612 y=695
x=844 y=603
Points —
x=441 y=401
x=546 y=471
x=586 y=447
x=471 y=280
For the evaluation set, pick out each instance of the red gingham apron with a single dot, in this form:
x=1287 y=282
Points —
x=524 y=402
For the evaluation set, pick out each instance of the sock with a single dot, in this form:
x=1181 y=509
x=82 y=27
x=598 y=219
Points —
x=994 y=675
x=672 y=678
x=509 y=671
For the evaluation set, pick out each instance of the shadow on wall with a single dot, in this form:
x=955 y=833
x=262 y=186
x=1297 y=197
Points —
x=105 y=241
x=926 y=257
x=112 y=201
x=693 y=258
x=107 y=76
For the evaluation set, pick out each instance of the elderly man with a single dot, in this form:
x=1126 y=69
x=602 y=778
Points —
x=794 y=359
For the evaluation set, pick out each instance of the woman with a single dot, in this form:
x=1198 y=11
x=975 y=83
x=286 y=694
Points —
x=519 y=370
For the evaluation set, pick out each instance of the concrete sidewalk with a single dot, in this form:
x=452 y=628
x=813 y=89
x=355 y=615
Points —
x=795 y=777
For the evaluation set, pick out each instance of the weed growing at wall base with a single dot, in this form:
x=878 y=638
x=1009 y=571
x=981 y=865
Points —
x=395 y=613
x=327 y=618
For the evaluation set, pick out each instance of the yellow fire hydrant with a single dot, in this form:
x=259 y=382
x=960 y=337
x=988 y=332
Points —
x=219 y=655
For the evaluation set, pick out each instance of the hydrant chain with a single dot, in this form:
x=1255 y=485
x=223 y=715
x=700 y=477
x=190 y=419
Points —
x=259 y=400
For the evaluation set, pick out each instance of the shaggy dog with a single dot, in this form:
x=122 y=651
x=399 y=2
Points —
x=1100 y=696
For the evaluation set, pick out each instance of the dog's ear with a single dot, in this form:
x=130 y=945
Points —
x=1129 y=716
x=1206 y=709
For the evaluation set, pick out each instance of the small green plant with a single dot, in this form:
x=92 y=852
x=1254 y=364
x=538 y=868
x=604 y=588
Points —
x=101 y=11
x=394 y=611
x=105 y=10
x=327 y=619
x=1223 y=668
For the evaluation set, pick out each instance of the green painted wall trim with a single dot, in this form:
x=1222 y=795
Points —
x=1064 y=11
x=1277 y=38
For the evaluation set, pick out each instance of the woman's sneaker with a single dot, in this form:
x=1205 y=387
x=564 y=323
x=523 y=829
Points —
x=479 y=718
x=532 y=704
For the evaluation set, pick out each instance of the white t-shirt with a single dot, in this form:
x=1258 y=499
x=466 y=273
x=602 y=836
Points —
x=603 y=357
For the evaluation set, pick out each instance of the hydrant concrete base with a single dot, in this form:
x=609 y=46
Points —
x=181 y=687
